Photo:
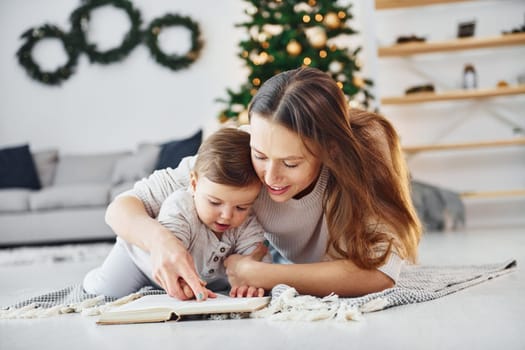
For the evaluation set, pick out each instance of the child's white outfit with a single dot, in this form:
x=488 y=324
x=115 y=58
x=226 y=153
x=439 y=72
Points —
x=128 y=268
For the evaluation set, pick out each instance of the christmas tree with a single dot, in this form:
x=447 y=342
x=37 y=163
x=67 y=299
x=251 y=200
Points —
x=286 y=34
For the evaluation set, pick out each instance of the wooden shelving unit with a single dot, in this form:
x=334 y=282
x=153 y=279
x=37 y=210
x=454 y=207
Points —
x=392 y=4
x=408 y=49
x=453 y=45
x=492 y=194
x=454 y=95
x=465 y=145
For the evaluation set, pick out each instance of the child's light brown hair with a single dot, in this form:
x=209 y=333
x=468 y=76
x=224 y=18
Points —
x=225 y=158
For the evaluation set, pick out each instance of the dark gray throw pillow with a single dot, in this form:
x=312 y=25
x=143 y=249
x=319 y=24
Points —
x=17 y=168
x=172 y=152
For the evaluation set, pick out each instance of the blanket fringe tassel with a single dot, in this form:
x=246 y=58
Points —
x=89 y=307
x=289 y=305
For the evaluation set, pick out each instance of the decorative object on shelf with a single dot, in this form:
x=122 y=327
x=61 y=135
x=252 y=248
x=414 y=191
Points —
x=75 y=42
x=283 y=35
x=502 y=83
x=466 y=29
x=80 y=25
x=410 y=39
x=420 y=88
x=173 y=61
x=521 y=79
x=515 y=30
x=470 y=78
x=25 y=57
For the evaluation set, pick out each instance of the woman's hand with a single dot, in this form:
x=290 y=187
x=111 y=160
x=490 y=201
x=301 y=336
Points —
x=239 y=270
x=174 y=270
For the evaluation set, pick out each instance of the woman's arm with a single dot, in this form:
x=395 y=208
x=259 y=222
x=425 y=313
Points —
x=128 y=218
x=341 y=277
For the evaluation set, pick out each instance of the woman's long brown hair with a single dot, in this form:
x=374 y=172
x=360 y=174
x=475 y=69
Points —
x=367 y=203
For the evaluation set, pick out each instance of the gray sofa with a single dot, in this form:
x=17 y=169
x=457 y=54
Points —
x=75 y=191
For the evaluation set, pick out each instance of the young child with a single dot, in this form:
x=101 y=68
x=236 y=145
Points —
x=212 y=217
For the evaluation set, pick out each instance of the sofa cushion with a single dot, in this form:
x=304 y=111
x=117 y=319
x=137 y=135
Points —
x=70 y=196
x=14 y=200
x=137 y=165
x=17 y=168
x=86 y=169
x=46 y=164
x=120 y=188
x=172 y=152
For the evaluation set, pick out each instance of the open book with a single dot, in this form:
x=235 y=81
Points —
x=159 y=308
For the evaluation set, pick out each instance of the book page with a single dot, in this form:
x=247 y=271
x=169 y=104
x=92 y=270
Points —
x=212 y=305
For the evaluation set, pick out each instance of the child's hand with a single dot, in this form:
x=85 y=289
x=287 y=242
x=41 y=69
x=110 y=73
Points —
x=189 y=293
x=246 y=291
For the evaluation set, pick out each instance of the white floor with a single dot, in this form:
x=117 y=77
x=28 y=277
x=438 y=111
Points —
x=486 y=316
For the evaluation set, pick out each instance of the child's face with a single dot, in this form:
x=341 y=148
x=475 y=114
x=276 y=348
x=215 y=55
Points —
x=221 y=207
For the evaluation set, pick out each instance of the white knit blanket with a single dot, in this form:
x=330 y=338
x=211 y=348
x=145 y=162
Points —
x=416 y=284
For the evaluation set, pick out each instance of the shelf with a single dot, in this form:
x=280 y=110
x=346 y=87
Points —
x=466 y=145
x=492 y=194
x=454 y=95
x=392 y=4
x=408 y=49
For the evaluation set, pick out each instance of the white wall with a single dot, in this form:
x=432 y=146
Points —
x=113 y=107
x=484 y=169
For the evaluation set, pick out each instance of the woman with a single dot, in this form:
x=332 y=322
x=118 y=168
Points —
x=336 y=197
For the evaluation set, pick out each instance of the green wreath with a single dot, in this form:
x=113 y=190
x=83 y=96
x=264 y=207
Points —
x=79 y=21
x=25 y=54
x=174 y=62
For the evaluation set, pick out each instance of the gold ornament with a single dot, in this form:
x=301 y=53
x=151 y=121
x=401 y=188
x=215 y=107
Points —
x=358 y=81
x=223 y=118
x=243 y=119
x=331 y=20
x=293 y=48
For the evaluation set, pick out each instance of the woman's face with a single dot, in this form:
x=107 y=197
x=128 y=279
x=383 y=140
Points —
x=285 y=166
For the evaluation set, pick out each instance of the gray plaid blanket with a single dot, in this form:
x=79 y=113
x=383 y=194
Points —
x=416 y=284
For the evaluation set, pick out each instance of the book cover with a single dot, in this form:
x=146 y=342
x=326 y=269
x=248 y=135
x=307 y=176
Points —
x=160 y=308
